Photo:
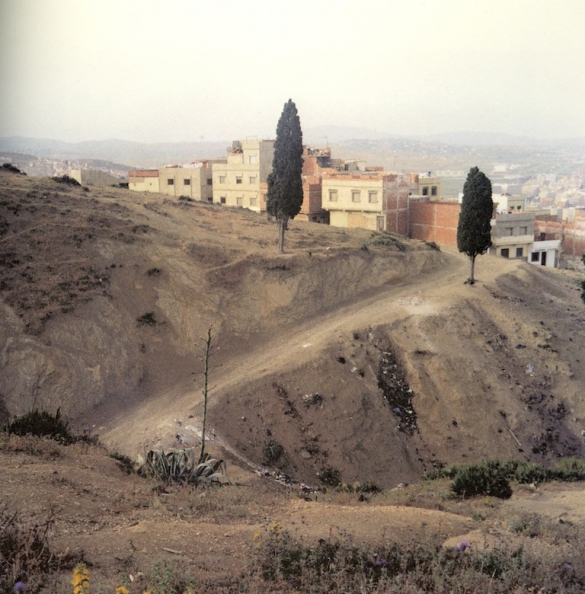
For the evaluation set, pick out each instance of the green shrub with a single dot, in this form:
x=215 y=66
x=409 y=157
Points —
x=569 y=470
x=488 y=478
x=329 y=476
x=41 y=424
x=65 y=179
x=147 y=319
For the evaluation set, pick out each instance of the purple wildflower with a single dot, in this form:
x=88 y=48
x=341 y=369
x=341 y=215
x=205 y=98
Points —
x=19 y=587
x=568 y=566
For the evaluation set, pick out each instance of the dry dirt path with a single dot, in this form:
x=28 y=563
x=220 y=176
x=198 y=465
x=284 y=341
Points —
x=154 y=422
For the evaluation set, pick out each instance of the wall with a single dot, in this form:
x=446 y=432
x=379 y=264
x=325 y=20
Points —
x=573 y=233
x=94 y=177
x=434 y=221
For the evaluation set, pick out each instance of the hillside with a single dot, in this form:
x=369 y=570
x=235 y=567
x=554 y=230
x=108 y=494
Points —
x=355 y=355
x=107 y=295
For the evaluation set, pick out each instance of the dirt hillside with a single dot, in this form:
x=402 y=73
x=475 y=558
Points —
x=357 y=354
x=353 y=357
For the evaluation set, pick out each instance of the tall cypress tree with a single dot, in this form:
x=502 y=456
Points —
x=474 y=228
x=285 y=183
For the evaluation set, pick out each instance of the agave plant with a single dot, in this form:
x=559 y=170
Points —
x=180 y=466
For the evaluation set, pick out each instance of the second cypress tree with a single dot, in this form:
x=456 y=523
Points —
x=474 y=227
x=285 y=183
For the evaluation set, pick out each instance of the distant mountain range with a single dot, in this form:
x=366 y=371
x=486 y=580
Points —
x=134 y=154
x=395 y=152
x=335 y=134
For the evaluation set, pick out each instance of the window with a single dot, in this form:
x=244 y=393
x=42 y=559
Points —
x=433 y=190
x=425 y=191
x=509 y=231
x=505 y=253
x=519 y=252
x=518 y=208
x=222 y=179
x=534 y=256
x=372 y=197
x=253 y=201
x=209 y=181
x=380 y=223
x=170 y=182
x=355 y=196
x=523 y=230
x=253 y=179
x=222 y=199
x=239 y=201
x=186 y=182
x=253 y=159
x=332 y=195
x=238 y=179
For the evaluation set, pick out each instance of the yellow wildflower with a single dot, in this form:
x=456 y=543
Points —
x=80 y=581
x=122 y=590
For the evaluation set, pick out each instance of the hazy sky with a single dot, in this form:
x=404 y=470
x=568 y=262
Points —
x=172 y=70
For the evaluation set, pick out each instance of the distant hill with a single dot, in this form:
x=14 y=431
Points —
x=460 y=150
x=135 y=154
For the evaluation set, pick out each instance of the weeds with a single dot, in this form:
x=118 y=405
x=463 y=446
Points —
x=25 y=552
x=342 y=566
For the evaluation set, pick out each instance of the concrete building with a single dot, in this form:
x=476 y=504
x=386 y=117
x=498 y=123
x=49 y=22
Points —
x=507 y=203
x=545 y=253
x=193 y=180
x=237 y=181
x=376 y=201
x=512 y=235
x=143 y=180
x=428 y=186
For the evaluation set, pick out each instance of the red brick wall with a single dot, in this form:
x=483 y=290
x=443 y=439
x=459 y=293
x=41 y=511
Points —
x=574 y=233
x=434 y=221
x=395 y=203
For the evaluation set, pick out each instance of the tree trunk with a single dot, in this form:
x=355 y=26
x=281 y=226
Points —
x=471 y=278
x=282 y=223
x=206 y=353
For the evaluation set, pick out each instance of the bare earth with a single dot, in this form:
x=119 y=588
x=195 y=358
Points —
x=412 y=369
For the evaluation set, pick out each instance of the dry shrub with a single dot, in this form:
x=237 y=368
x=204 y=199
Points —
x=25 y=553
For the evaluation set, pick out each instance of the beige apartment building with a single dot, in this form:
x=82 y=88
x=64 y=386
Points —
x=429 y=186
x=376 y=201
x=192 y=180
x=236 y=182
x=512 y=235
